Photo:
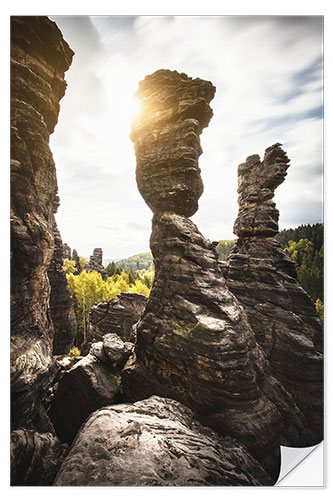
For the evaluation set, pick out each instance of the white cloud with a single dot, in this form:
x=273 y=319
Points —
x=267 y=71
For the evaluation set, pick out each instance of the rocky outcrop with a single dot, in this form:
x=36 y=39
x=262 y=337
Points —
x=91 y=383
x=263 y=278
x=66 y=251
x=175 y=109
x=35 y=458
x=115 y=316
x=194 y=341
x=155 y=442
x=39 y=58
x=96 y=263
x=61 y=302
x=76 y=258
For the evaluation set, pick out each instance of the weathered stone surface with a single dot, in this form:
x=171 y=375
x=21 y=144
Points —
x=35 y=458
x=116 y=350
x=96 y=263
x=257 y=181
x=195 y=345
x=88 y=385
x=114 y=316
x=175 y=109
x=155 y=442
x=39 y=58
x=61 y=302
x=66 y=251
x=194 y=341
x=280 y=312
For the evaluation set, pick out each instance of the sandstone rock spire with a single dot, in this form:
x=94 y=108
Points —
x=263 y=278
x=39 y=59
x=194 y=342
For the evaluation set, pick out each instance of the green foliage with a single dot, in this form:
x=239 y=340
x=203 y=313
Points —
x=69 y=266
x=137 y=262
x=112 y=269
x=305 y=245
x=83 y=263
x=313 y=233
x=75 y=351
x=88 y=288
x=224 y=247
x=320 y=309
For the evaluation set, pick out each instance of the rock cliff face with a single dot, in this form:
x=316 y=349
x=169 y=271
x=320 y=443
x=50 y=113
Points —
x=155 y=442
x=194 y=341
x=263 y=278
x=39 y=59
x=61 y=303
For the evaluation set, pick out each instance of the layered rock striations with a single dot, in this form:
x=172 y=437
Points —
x=175 y=109
x=61 y=302
x=263 y=278
x=39 y=59
x=117 y=315
x=155 y=442
x=194 y=341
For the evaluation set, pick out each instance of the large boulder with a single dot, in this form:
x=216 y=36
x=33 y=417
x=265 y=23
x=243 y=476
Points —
x=39 y=59
x=155 y=442
x=90 y=384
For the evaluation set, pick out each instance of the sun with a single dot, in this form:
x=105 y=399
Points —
x=134 y=108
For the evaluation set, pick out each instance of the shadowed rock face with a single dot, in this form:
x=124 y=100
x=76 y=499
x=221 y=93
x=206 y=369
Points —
x=35 y=458
x=61 y=303
x=263 y=278
x=39 y=58
x=175 y=109
x=194 y=341
x=155 y=442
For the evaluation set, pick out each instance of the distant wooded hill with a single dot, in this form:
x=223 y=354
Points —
x=136 y=262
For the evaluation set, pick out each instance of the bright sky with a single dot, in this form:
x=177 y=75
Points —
x=268 y=75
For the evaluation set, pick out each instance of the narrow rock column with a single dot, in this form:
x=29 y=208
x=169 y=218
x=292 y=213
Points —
x=263 y=278
x=39 y=59
x=194 y=342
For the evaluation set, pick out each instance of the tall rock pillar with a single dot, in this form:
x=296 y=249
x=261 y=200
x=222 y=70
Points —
x=39 y=59
x=263 y=278
x=194 y=342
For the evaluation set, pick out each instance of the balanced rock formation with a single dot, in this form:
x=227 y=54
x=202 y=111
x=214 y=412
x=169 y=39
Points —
x=35 y=458
x=194 y=342
x=155 y=442
x=263 y=278
x=175 y=109
x=117 y=315
x=91 y=383
x=39 y=59
x=61 y=303
x=96 y=263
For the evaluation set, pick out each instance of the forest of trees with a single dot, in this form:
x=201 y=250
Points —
x=88 y=287
x=305 y=245
x=137 y=262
